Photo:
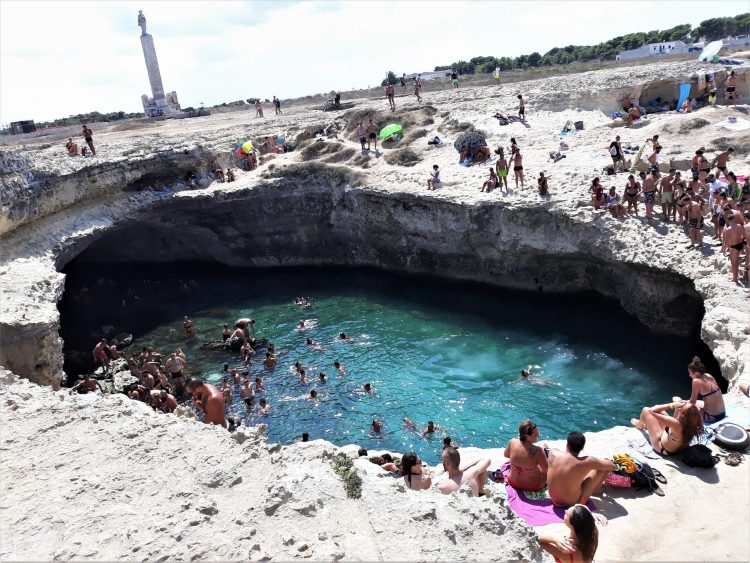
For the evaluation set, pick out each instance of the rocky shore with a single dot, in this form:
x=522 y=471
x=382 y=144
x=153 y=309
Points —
x=328 y=203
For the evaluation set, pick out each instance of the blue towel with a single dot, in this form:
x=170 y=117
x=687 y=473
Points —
x=738 y=414
x=684 y=93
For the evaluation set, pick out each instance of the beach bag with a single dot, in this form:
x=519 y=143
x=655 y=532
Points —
x=699 y=455
x=579 y=125
x=644 y=478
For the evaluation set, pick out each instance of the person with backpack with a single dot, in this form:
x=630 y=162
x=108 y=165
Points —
x=615 y=151
x=669 y=434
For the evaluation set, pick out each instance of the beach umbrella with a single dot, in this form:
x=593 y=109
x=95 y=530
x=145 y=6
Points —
x=389 y=130
x=247 y=147
x=470 y=141
x=711 y=50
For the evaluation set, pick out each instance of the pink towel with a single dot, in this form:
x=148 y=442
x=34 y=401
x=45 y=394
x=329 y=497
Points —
x=534 y=512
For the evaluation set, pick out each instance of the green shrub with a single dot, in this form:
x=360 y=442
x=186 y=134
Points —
x=343 y=466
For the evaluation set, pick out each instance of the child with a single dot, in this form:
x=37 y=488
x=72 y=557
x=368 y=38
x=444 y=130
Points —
x=434 y=178
x=521 y=108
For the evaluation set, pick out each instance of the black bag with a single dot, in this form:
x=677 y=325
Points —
x=699 y=455
x=644 y=478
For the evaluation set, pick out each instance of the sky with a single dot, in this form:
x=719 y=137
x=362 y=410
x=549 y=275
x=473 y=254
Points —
x=61 y=58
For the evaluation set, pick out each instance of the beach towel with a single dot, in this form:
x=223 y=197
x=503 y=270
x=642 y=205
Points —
x=738 y=414
x=684 y=92
x=641 y=445
x=536 y=512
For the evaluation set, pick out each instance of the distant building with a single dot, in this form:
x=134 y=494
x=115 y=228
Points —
x=654 y=50
x=21 y=127
x=430 y=75
x=739 y=41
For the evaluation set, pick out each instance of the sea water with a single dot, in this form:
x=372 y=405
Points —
x=431 y=350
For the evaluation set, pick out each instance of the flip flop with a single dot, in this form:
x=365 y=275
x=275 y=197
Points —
x=659 y=476
x=658 y=491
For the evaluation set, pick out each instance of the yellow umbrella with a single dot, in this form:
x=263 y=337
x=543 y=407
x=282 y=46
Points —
x=247 y=147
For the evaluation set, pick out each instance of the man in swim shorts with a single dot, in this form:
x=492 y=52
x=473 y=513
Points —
x=521 y=108
x=86 y=385
x=473 y=474
x=731 y=94
x=208 y=399
x=372 y=135
x=454 y=78
x=501 y=168
x=734 y=240
x=720 y=162
x=649 y=192
x=100 y=353
x=667 y=195
x=695 y=219
x=390 y=92
x=572 y=479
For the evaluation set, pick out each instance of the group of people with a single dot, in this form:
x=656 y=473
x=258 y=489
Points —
x=569 y=477
x=711 y=191
x=88 y=136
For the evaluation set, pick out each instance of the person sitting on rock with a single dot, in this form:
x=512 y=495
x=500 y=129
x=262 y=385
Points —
x=219 y=175
x=528 y=464
x=474 y=474
x=634 y=114
x=490 y=183
x=414 y=477
x=576 y=539
x=86 y=385
x=167 y=402
x=230 y=175
x=72 y=147
x=483 y=154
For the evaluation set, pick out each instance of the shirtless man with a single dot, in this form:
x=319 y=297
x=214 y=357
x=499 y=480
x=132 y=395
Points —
x=521 y=108
x=517 y=161
x=734 y=240
x=653 y=159
x=362 y=134
x=474 y=474
x=189 y=327
x=340 y=367
x=731 y=94
x=167 y=402
x=88 y=136
x=270 y=362
x=72 y=147
x=100 y=353
x=208 y=399
x=573 y=479
x=720 y=162
x=86 y=385
x=175 y=366
x=649 y=193
x=226 y=333
x=430 y=428
x=695 y=220
x=667 y=195
x=246 y=391
x=390 y=92
x=258 y=108
x=632 y=190
x=501 y=169
x=372 y=135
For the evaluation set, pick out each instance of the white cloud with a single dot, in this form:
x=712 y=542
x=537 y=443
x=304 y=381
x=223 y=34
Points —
x=63 y=58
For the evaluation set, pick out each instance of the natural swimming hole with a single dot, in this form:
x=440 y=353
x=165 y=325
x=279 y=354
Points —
x=446 y=352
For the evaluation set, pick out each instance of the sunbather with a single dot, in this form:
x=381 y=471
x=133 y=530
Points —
x=572 y=479
x=528 y=464
x=474 y=474
x=668 y=434
x=575 y=540
x=414 y=477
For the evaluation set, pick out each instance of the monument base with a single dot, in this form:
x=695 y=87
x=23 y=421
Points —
x=167 y=107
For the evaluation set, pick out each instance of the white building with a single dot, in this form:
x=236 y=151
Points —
x=654 y=50
x=430 y=75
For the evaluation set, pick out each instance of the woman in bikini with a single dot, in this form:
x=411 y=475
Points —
x=575 y=540
x=705 y=393
x=632 y=189
x=528 y=464
x=411 y=469
x=670 y=434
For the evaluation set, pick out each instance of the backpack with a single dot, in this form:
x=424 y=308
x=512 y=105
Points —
x=613 y=150
x=699 y=455
x=644 y=478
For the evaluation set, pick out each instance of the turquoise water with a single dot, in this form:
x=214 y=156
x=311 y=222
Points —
x=440 y=352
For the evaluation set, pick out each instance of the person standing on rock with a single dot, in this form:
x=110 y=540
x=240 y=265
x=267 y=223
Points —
x=209 y=399
x=277 y=105
x=258 y=108
x=372 y=135
x=521 y=108
x=403 y=83
x=88 y=136
x=731 y=94
x=362 y=134
x=649 y=193
x=390 y=92
x=100 y=353
x=175 y=367
x=501 y=169
x=734 y=240
x=695 y=220
x=517 y=161
x=418 y=87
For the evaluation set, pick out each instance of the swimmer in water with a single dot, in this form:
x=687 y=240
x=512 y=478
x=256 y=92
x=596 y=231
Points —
x=302 y=302
x=410 y=425
x=302 y=376
x=340 y=367
x=322 y=377
x=314 y=345
x=377 y=426
x=526 y=375
x=265 y=408
x=430 y=428
x=270 y=362
x=313 y=395
x=345 y=338
x=259 y=385
x=368 y=388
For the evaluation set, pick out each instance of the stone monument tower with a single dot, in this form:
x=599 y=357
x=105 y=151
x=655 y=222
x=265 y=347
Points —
x=159 y=104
